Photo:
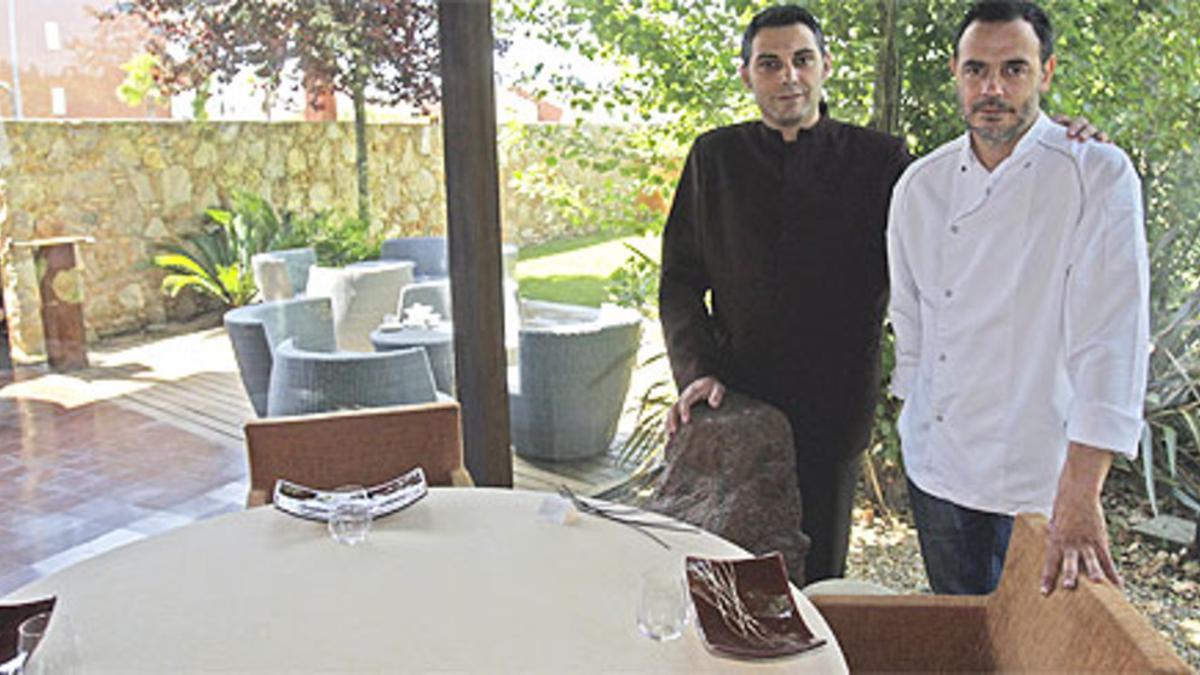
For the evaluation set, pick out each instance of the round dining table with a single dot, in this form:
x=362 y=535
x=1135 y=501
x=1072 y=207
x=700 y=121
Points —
x=464 y=580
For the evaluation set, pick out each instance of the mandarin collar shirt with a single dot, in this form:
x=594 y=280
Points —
x=788 y=237
x=1019 y=298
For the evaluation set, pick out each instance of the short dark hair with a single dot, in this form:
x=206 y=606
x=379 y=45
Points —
x=1003 y=11
x=780 y=15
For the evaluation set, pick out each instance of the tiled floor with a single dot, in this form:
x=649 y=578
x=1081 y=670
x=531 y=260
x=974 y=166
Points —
x=77 y=481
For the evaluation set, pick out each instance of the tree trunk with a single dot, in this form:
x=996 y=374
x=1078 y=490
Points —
x=886 y=114
x=360 y=156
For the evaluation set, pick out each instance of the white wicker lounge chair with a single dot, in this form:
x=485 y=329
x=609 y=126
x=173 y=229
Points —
x=361 y=295
x=282 y=274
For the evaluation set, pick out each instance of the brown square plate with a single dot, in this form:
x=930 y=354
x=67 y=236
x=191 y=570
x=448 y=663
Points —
x=745 y=609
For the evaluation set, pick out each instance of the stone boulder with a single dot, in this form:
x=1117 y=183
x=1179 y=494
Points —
x=732 y=471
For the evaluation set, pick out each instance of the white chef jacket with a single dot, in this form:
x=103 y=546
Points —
x=1020 y=304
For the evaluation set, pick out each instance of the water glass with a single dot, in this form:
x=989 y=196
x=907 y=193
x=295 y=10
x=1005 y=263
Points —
x=29 y=634
x=350 y=520
x=663 y=606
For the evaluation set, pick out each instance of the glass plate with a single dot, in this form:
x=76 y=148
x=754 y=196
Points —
x=385 y=498
x=744 y=608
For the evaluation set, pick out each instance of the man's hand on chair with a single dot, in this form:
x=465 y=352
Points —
x=705 y=388
x=1078 y=536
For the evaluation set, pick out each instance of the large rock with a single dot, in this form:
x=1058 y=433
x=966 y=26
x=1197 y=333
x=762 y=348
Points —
x=732 y=471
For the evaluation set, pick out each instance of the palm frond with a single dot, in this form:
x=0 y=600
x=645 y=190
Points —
x=172 y=284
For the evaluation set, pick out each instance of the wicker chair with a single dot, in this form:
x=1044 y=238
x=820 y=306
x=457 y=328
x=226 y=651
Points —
x=307 y=381
x=573 y=378
x=358 y=447
x=283 y=274
x=429 y=254
x=361 y=296
x=256 y=330
x=1092 y=628
x=433 y=294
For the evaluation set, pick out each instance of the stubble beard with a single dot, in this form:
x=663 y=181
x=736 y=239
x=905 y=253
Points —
x=804 y=114
x=1001 y=135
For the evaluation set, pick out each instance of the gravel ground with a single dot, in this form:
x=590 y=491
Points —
x=1162 y=582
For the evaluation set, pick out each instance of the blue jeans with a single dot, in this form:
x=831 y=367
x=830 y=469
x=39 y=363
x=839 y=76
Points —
x=963 y=548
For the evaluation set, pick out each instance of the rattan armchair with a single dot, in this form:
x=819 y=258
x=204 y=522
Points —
x=356 y=447
x=1092 y=628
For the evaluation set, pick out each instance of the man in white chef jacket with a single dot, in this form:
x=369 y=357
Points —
x=1019 y=298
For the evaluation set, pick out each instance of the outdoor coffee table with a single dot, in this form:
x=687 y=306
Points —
x=437 y=341
x=465 y=580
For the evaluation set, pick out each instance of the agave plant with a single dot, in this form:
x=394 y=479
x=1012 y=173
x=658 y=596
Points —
x=207 y=262
x=216 y=261
x=1171 y=437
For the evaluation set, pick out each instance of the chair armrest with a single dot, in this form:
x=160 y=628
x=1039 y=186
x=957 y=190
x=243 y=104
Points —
x=909 y=632
x=460 y=477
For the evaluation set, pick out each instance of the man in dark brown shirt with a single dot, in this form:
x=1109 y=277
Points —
x=783 y=220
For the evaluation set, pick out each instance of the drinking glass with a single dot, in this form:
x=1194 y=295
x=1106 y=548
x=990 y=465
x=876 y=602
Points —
x=350 y=520
x=59 y=637
x=29 y=634
x=663 y=607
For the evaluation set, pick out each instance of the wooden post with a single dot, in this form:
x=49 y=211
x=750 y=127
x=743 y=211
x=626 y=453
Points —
x=60 y=285
x=473 y=223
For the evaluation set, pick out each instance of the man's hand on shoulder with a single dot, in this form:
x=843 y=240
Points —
x=1078 y=536
x=706 y=388
x=1080 y=128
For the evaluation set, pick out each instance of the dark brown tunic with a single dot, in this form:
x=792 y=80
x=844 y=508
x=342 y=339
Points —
x=789 y=237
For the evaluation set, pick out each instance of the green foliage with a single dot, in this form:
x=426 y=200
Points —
x=589 y=179
x=573 y=271
x=635 y=283
x=254 y=223
x=571 y=289
x=216 y=260
x=1172 y=431
x=138 y=84
x=1128 y=65
x=337 y=239
x=561 y=245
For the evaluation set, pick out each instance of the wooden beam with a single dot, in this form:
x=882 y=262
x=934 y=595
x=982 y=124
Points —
x=473 y=223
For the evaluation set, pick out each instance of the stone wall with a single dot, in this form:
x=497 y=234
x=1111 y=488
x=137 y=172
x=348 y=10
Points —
x=134 y=185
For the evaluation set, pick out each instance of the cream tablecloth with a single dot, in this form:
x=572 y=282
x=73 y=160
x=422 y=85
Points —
x=465 y=580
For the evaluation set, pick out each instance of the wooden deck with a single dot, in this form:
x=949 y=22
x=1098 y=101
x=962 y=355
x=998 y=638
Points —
x=190 y=381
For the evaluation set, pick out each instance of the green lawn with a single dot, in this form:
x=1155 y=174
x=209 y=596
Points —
x=576 y=271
